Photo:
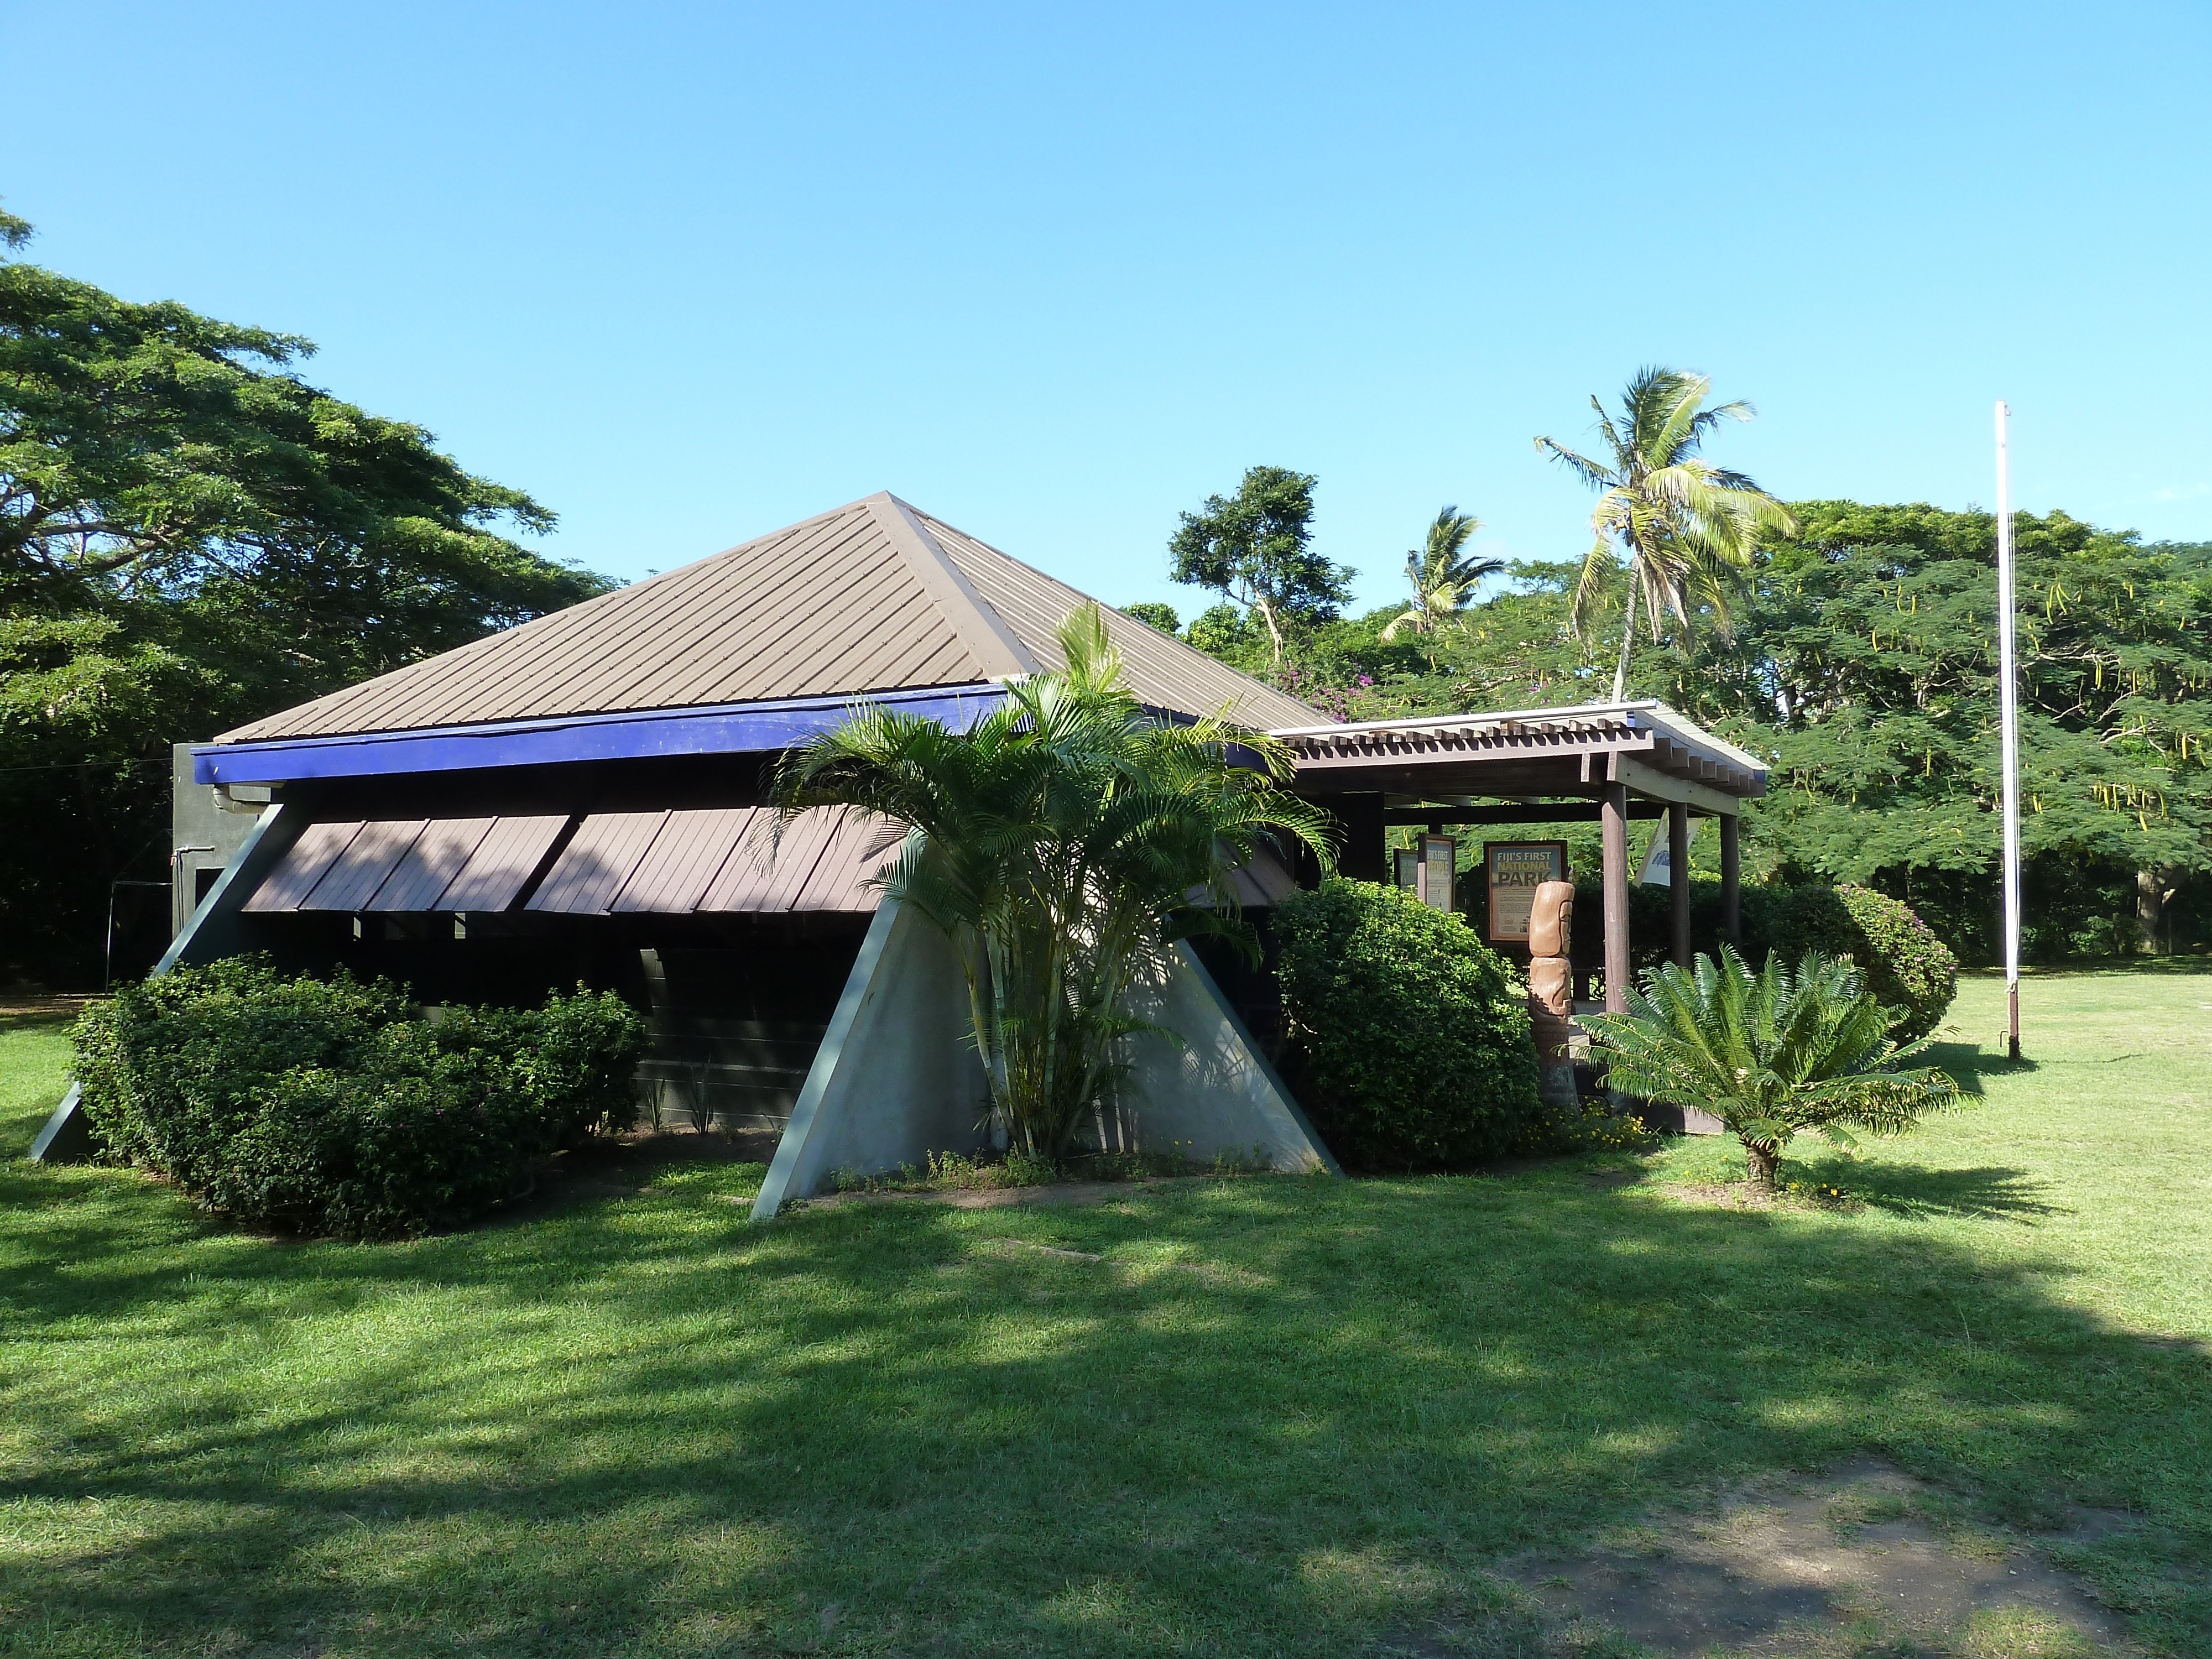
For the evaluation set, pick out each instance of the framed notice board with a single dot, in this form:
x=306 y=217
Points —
x=1511 y=872
x=1426 y=870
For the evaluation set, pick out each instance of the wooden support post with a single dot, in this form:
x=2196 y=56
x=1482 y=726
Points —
x=1678 y=879
x=1731 y=882
x=1362 y=856
x=1614 y=822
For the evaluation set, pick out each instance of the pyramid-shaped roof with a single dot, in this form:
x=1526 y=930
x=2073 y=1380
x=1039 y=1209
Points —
x=874 y=596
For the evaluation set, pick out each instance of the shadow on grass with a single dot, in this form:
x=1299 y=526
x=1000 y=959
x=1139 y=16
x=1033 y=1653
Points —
x=1273 y=1416
x=1968 y=1064
x=1910 y=1190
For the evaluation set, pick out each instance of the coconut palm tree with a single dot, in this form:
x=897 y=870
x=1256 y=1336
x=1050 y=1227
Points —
x=1444 y=575
x=1688 y=528
x=1061 y=844
x=1772 y=1055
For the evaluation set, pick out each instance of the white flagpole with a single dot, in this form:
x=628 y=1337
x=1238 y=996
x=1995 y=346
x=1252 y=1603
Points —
x=2009 y=706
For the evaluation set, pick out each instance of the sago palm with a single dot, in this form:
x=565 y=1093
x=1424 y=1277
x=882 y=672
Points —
x=1061 y=844
x=1687 y=527
x=1771 y=1054
x=1444 y=575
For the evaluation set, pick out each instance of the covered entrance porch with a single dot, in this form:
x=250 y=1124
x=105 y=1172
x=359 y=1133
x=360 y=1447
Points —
x=1606 y=763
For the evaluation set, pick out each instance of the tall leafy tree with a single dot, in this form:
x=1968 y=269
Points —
x=1255 y=549
x=191 y=535
x=1862 y=666
x=1687 y=528
x=1444 y=575
x=1875 y=652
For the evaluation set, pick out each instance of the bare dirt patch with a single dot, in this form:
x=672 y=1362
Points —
x=1741 y=1196
x=30 y=1007
x=1869 y=1561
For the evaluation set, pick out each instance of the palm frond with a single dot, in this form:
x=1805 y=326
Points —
x=1593 y=473
x=1772 y=1055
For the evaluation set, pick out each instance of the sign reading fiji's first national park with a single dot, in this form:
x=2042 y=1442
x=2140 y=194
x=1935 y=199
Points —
x=1513 y=870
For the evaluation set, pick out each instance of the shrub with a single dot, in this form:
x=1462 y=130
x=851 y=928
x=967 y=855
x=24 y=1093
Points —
x=325 y=1106
x=1786 y=1051
x=1908 y=969
x=1412 y=1046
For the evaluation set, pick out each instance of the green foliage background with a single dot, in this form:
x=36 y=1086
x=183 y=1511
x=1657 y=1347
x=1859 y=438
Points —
x=1862 y=666
x=1411 y=1045
x=192 y=536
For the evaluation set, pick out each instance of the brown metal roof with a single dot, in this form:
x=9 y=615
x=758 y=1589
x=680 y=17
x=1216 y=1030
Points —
x=872 y=597
x=1161 y=669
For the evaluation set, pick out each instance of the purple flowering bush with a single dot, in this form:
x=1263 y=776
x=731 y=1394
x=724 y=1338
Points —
x=330 y=1107
x=1316 y=690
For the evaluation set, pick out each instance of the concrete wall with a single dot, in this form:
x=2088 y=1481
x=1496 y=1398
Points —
x=897 y=1078
x=206 y=831
x=1212 y=1095
x=893 y=1081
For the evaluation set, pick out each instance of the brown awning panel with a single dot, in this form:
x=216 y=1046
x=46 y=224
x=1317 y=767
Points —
x=420 y=879
x=686 y=857
x=414 y=865
x=287 y=886
x=599 y=858
x=351 y=882
x=504 y=860
x=676 y=863
x=724 y=861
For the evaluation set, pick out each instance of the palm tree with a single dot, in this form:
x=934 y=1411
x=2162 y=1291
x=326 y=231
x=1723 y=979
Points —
x=1061 y=844
x=1443 y=574
x=1689 y=528
x=1771 y=1054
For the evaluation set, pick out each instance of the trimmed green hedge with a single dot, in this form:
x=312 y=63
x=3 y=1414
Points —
x=1410 y=1045
x=329 y=1107
x=1910 y=970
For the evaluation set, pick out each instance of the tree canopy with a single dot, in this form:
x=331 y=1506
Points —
x=192 y=535
x=1255 y=549
x=1688 y=528
x=1443 y=574
x=1861 y=665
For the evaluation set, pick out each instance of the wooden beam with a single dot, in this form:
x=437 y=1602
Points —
x=1498 y=752
x=1678 y=878
x=1731 y=883
x=1579 y=811
x=1648 y=780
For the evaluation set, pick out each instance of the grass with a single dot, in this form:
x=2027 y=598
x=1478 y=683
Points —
x=1278 y=1416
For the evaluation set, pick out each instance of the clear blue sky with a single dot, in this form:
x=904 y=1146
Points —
x=689 y=272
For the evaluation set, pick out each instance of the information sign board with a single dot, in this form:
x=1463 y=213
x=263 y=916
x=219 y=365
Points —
x=1512 y=870
x=1439 y=858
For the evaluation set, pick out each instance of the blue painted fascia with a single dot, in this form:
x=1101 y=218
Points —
x=735 y=729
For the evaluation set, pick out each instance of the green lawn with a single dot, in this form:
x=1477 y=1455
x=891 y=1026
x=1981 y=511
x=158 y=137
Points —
x=1281 y=1416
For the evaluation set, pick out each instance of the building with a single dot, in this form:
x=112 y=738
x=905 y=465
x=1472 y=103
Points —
x=580 y=799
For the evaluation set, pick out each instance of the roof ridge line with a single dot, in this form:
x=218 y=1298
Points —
x=980 y=628
x=1046 y=576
